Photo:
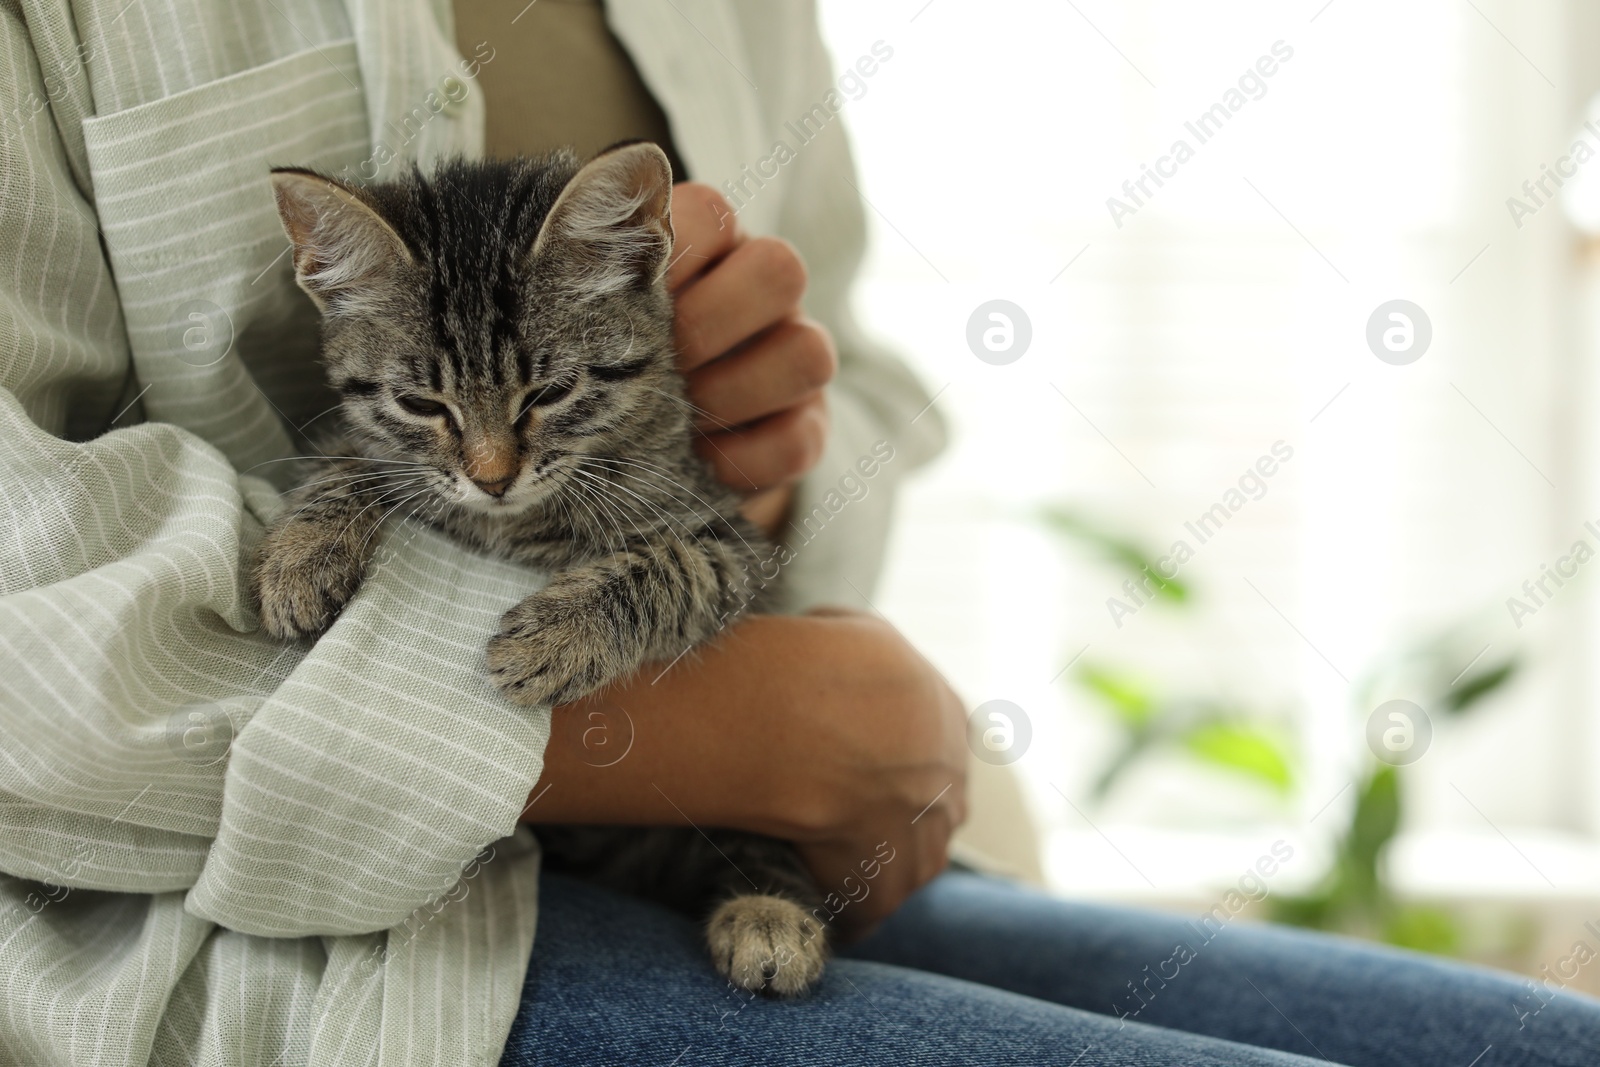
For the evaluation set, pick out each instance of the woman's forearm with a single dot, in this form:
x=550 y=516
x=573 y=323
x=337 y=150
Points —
x=826 y=730
x=701 y=742
x=784 y=725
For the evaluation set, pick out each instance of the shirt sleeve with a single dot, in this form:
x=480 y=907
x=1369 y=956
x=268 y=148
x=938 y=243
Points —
x=152 y=739
x=883 y=423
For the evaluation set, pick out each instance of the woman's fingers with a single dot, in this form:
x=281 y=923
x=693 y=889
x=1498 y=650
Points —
x=774 y=451
x=704 y=230
x=757 y=285
x=755 y=366
x=783 y=367
x=863 y=880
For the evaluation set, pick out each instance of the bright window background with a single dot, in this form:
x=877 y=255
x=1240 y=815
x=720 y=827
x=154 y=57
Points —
x=1229 y=313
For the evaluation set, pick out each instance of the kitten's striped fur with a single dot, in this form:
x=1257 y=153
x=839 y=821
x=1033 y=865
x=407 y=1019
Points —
x=501 y=338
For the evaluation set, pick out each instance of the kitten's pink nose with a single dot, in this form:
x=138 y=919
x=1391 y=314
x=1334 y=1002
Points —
x=491 y=464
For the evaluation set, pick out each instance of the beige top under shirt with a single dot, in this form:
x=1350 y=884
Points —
x=569 y=82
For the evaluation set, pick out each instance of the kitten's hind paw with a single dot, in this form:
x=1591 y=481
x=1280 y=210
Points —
x=767 y=944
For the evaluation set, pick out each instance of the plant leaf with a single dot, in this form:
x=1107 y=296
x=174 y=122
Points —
x=1127 y=696
x=1319 y=911
x=1474 y=689
x=1423 y=928
x=1372 y=826
x=1243 y=748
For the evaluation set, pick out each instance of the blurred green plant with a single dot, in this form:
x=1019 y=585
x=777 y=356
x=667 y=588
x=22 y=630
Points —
x=1226 y=737
x=1220 y=735
x=1114 y=548
x=1353 y=896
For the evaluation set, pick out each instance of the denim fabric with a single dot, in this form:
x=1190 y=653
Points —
x=974 y=970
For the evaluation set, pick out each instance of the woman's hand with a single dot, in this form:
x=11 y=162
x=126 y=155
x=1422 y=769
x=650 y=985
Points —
x=756 y=367
x=889 y=771
x=828 y=730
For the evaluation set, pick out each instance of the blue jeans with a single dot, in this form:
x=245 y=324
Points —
x=974 y=970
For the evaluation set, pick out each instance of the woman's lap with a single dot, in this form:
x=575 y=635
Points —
x=1323 y=997
x=973 y=970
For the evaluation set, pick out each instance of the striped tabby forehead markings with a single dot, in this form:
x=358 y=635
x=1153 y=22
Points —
x=477 y=234
x=524 y=357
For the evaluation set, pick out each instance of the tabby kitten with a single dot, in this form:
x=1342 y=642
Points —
x=500 y=335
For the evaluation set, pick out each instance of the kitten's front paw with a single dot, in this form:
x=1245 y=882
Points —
x=550 y=654
x=302 y=580
x=767 y=944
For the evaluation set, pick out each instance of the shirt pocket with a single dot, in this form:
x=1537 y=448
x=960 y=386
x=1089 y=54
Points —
x=222 y=341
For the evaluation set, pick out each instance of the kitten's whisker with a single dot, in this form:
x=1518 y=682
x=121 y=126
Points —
x=594 y=506
x=660 y=473
x=693 y=535
x=593 y=482
x=601 y=515
x=610 y=489
x=559 y=499
x=653 y=468
x=362 y=492
x=613 y=505
x=664 y=478
x=593 y=525
x=706 y=553
x=397 y=498
x=351 y=477
x=385 y=516
x=706 y=515
x=319 y=455
x=302 y=427
x=381 y=499
x=694 y=409
x=598 y=525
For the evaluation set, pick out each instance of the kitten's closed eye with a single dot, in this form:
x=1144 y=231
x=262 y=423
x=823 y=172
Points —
x=421 y=405
x=548 y=394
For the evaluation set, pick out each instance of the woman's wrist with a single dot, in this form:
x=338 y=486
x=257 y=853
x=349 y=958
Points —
x=702 y=742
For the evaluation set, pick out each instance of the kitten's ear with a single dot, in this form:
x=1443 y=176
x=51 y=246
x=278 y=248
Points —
x=612 y=224
x=342 y=247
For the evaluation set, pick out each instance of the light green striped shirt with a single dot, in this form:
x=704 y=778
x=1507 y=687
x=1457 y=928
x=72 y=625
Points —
x=217 y=848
